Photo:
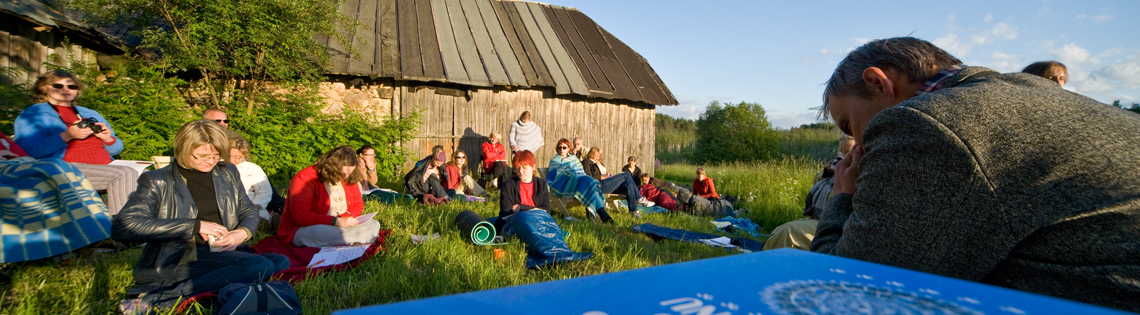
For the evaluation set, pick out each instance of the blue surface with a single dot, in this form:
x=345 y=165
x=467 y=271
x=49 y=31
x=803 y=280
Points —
x=785 y=281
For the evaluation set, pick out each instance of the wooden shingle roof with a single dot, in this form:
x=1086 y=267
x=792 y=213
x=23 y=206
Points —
x=495 y=43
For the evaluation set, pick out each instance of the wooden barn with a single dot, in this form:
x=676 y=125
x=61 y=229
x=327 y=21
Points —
x=30 y=33
x=470 y=67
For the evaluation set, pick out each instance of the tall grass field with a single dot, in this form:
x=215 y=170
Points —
x=772 y=192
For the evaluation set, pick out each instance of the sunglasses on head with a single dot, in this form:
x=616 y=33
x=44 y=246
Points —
x=58 y=86
x=222 y=121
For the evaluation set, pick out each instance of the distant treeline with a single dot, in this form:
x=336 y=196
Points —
x=739 y=132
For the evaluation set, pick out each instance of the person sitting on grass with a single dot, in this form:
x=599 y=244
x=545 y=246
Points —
x=255 y=181
x=58 y=128
x=494 y=157
x=567 y=178
x=631 y=168
x=656 y=194
x=460 y=181
x=703 y=185
x=425 y=180
x=367 y=156
x=799 y=233
x=192 y=215
x=523 y=208
x=621 y=183
x=324 y=201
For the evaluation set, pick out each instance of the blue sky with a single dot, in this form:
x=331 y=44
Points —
x=779 y=53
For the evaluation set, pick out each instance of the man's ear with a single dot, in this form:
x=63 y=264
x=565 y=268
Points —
x=878 y=83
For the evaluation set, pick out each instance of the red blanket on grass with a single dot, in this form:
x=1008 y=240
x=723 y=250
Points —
x=299 y=258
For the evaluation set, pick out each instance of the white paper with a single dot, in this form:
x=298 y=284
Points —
x=139 y=166
x=365 y=217
x=369 y=191
x=720 y=241
x=335 y=255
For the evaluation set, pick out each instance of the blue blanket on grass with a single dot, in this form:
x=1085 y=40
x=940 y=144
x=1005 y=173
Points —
x=695 y=237
x=543 y=239
x=48 y=208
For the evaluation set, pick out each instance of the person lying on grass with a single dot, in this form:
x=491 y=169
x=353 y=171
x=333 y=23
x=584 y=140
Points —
x=522 y=214
x=324 y=201
x=655 y=194
x=192 y=215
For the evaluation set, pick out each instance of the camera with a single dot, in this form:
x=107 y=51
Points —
x=89 y=122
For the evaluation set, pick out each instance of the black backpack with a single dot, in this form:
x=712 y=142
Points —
x=275 y=297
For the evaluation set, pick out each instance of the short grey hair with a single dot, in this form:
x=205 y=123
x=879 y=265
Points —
x=917 y=59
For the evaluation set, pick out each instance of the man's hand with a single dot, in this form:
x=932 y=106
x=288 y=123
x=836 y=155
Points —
x=346 y=222
x=231 y=241
x=847 y=171
x=206 y=228
x=74 y=132
x=105 y=135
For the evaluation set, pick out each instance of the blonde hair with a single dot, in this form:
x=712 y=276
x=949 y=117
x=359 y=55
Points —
x=195 y=134
x=242 y=145
x=593 y=150
x=50 y=77
x=495 y=134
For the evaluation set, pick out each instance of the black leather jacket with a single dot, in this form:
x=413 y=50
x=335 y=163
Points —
x=162 y=213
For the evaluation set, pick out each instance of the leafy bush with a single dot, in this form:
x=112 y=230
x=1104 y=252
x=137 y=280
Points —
x=732 y=133
x=675 y=139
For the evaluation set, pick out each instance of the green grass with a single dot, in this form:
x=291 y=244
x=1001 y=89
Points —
x=771 y=191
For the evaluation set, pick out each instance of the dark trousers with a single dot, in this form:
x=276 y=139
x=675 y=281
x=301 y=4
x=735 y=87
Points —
x=437 y=187
x=499 y=169
x=212 y=271
x=622 y=183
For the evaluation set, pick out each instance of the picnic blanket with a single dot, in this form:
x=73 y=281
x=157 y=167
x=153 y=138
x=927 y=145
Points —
x=48 y=209
x=735 y=224
x=298 y=270
x=642 y=208
x=695 y=237
x=567 y=178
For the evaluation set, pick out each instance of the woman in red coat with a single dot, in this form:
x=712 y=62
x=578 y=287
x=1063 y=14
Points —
x=703 y=185
x=494 y=157
x=324 y=201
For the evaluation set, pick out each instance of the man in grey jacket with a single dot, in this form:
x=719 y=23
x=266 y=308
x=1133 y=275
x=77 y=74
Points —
x=1004 y=179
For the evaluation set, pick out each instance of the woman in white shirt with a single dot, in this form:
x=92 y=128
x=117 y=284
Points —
x=255 y=181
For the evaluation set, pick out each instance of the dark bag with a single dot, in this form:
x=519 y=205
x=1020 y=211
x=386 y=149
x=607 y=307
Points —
x=274 y=297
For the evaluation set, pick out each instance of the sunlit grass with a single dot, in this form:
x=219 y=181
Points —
x=771 y=191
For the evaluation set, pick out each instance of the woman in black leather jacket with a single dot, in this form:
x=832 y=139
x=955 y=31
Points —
x=192 y=215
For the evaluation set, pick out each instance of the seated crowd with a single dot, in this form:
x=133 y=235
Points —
x=953 y=176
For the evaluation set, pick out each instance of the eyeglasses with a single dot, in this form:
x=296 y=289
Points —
x=207 y=157
x=58 y=86
x=222 y=121
x=461 y=157
x=563 y=147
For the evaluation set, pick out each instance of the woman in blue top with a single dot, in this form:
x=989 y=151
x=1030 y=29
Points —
x=566 y=178
x=57 y=128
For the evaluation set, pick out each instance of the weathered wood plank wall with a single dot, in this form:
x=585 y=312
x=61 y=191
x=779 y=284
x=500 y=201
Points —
x=459 y=122
x=25 y=49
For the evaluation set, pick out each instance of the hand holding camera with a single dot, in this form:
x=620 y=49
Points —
x=90 y=123
x=87 y=127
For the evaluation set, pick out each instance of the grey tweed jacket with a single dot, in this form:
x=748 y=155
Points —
x=1003 y=179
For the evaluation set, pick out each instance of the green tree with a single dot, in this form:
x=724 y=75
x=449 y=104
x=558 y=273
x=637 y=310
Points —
x=244 y=43
x=741 y=132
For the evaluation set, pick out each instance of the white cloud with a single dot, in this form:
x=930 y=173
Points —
x=1096 y=18
x=860 y=41
x=1073 y=55
x=989 y=17
x=805 y=61
x=824 y=51
x=1003 y=62
x=1125 y=71
x=961 y=46
x=789 y=119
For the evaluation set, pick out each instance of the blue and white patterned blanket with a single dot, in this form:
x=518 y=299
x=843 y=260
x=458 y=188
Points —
x=48 y=208
x=567 y=178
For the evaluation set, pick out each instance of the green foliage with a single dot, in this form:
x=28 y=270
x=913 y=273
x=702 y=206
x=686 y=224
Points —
x=255 y=40
x=772 y=191
x=1135 y=108
x=13 y=99
x=289 y=133
x=675 y=139
x=818 y=125
x=143 y=106
x=741 y=132
x=811 y=142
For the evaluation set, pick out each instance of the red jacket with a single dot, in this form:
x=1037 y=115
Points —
x=654 y=194
x=454 y=177
x=7 y=144
x=492 y=153
x=308 y=204
x=705 y=188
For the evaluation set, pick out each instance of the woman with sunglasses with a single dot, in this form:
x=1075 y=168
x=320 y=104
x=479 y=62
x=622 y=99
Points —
x=192 y=214
x=460 y=180
x=57 y=128
x=568 y=179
